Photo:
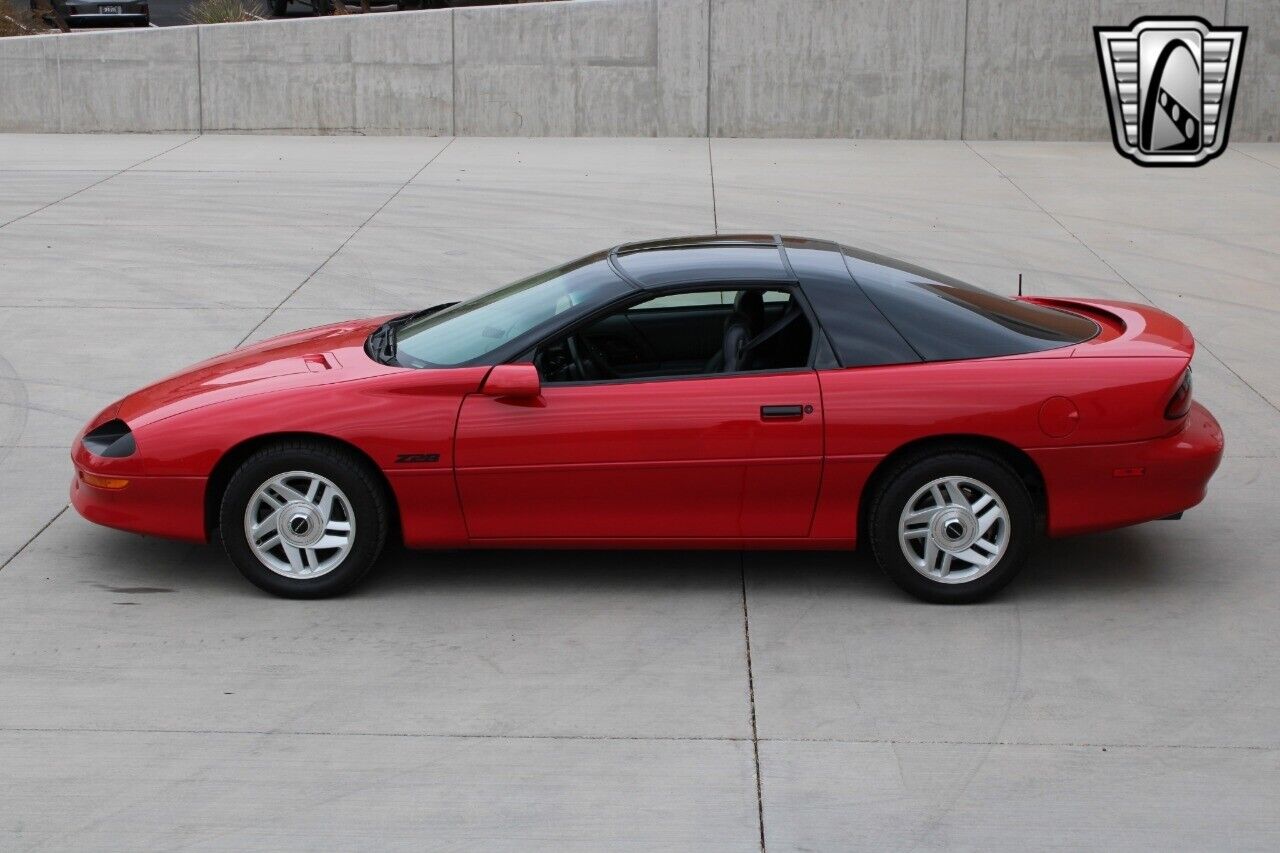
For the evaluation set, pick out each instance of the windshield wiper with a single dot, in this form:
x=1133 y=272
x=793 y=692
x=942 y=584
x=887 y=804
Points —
x=382 y=343
x=425 y=312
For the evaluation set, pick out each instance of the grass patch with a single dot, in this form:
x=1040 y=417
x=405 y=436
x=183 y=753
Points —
x=224 y=12
x=17 y=19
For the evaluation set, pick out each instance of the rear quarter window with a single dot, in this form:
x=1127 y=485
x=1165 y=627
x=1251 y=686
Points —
x=945 y=319
x=859 y=334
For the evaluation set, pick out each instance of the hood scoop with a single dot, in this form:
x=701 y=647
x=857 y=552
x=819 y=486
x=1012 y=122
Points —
x=233 y=372
x=321 y=362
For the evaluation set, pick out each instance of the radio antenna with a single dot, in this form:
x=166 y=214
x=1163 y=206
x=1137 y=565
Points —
x=1019 y=284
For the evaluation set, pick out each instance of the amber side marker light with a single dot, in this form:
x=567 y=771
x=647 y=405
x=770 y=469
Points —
x=113 y=484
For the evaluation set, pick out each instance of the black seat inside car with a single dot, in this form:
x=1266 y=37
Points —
x=684 y=337
x=740 y=327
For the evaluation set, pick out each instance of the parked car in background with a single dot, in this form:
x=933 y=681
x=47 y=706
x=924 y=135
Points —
x=280 y=8
x=95 y=13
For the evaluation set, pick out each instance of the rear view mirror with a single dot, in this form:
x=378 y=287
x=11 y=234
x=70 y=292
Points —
x=513 y=380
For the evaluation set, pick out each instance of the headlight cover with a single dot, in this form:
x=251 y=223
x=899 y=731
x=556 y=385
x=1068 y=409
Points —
x=112 y=439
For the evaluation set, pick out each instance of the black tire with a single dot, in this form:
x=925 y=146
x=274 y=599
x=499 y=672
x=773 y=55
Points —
x=912 y=475
x=358 y=483
x=279 y=8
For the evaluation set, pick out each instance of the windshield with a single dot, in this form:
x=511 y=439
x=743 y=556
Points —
x=476 y=328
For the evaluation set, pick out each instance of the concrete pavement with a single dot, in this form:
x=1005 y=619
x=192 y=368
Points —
x=1124 y=693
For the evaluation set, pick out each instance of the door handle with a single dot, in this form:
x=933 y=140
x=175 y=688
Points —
x=782 y=412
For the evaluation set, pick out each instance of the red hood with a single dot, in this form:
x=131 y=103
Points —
x=318 y=356
x=1128 y=329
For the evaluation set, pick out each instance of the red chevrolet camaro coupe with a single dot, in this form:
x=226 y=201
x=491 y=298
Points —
x=716 y=392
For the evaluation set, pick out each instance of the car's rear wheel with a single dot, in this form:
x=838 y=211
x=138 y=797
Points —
x=304 y=519
x=279 y=7
x=952 y=527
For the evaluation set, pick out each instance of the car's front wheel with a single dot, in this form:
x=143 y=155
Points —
x=952 y=527
x=304 y=519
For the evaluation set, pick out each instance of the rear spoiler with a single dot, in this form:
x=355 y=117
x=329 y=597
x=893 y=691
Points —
x=1127 y=329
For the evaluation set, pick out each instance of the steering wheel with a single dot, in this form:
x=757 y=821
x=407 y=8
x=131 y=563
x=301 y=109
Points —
x=597 y=359
x=578 y=364
x=590 y=362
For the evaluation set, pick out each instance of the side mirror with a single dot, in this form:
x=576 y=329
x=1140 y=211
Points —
x=513 y=380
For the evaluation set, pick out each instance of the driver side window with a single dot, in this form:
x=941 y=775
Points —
x=689 y=333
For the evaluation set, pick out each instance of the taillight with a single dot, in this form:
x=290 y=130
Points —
x=1180 y=403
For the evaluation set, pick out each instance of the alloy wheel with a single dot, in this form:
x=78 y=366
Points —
x=299 y=525
x=954 y=529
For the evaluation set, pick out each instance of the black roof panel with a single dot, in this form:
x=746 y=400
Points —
x=694 y=260
x=697 y=241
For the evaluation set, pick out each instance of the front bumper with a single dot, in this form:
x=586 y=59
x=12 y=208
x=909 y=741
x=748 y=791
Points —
x=171 y=507
x=96 y=19
x=166 y=506
x=1100 y=487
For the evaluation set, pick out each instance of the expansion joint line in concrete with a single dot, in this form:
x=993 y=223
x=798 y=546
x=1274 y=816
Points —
x=711 y=170
x=1256 y=160
x=99 y=183
x=751 y=693
x=1114 y=271
x=344 y=243
x=27 y=544
x=1038 y=744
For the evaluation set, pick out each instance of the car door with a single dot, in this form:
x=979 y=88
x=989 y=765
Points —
x=707 y=457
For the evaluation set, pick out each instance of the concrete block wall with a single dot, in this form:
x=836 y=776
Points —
x=1258 y=103
x=29 y=91
x=914 y=69
x=620 y=68
x=1031 y=68
x=365 y=74
x=870 y=68
x=117 y=81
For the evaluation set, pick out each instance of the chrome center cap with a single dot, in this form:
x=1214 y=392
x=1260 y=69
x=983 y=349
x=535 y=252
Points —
x=300 y=524
x=954 y=529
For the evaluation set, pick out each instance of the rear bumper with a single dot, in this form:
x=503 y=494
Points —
x=171 y=507
x=1100 y=487
x=93 y=19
